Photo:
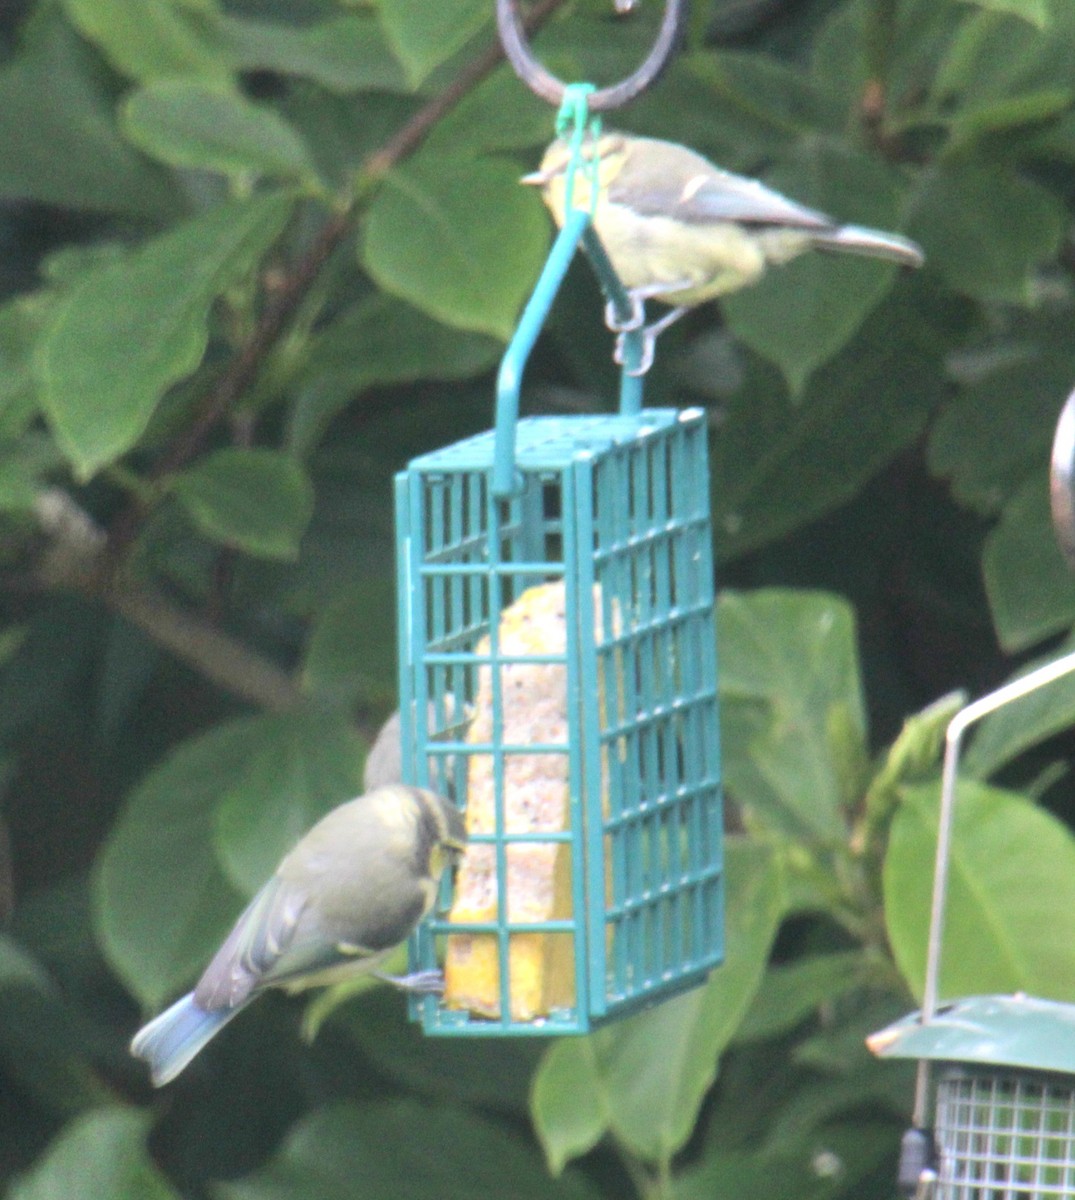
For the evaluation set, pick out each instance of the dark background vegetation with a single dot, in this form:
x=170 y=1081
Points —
x=255 y=256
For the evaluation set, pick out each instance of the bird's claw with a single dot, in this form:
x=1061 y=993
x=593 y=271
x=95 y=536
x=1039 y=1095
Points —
x=423 y=983
x=635 y=321
x=649 y=348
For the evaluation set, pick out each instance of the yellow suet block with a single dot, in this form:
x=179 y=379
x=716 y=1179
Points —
x=536 y=800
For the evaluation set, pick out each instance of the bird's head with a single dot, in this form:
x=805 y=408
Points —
x=610 y=150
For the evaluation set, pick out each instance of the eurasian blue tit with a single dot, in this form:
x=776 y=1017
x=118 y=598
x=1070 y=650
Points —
x=682 y=231
x=352 y=890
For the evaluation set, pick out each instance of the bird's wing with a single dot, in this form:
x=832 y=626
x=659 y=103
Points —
x=262 y=937
x=713 y=195
x=283 y=936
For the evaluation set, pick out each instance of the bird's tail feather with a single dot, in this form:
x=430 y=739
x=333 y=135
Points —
x=873 y=243
x=170 y=1041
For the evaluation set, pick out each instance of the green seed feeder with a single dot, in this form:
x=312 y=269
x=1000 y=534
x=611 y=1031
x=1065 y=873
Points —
x=1003 y=1108
x=558 y=679
x=1003 y=1114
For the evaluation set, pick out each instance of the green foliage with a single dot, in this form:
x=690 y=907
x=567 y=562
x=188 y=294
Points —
x=256 y=500
x=124 y=333
x=102 y=1153
x=486 y=236
x=1012 y=870
x=257 y=257
x=188 y=124
x=450 y=1156
x=644 y=1080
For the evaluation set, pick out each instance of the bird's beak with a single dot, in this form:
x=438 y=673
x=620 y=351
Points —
x=535 y=179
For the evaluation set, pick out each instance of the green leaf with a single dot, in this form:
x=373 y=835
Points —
x=781 y=462
x=126 y=332
x=295 y=770
x=772 y=102
x=43 y=1040
x=351 y=654
x=568 y=1102
x=425 y=35
x=825 y=1164
x=257 y=500
x=994 y=62
x=1036 y=12
x=150 y=39
x=658 y=1067
x=800 y=315
x=161 y=902
x=789 y=664
x=789 y=994
x=1030 y=588
x=448 y=1154
x=998 y=427
x=186 y=123
x=19 y=969
x=459 y=240
x=646 y=1077
x=20 y=325
x=1004 y=734
x=58 y=140
x=845 y=50
x=378 y=340
x=344 y=53
x=961 y=213
x=100 y=1154
x=493 y=1073
x=1011 y=893
x=497 y=115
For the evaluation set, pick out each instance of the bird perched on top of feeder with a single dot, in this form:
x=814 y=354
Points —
x=682 y=231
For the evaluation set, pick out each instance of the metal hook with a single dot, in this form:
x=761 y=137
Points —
x=1062 y=480
x=542 y=83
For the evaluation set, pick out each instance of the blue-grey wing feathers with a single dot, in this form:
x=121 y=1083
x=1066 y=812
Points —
x=711 y=195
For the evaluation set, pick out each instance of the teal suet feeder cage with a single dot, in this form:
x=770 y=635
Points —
x=1000 y=1124
x=558 y=678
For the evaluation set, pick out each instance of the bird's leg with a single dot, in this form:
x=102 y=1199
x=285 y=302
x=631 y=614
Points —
x=422 y=982
x=650 y=334
x=669 y=318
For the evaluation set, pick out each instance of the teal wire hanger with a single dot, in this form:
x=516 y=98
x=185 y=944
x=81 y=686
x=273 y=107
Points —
x=574 y=121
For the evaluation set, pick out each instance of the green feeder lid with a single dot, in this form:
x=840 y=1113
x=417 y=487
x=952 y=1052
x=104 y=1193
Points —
x=1013 y=1031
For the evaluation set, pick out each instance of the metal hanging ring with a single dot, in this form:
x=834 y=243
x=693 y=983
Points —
x=1062 y=480
x=544 y=84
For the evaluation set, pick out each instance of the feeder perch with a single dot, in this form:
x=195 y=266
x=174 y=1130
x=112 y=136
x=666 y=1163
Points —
x=1004 y=1107
x=558 y=680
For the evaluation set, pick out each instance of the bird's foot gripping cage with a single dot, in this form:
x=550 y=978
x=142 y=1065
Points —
x=558 y=679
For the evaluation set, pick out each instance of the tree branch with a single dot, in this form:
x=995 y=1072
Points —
x=217 y=656
x=243 y=368
x=74 y=558
x=80 y=555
